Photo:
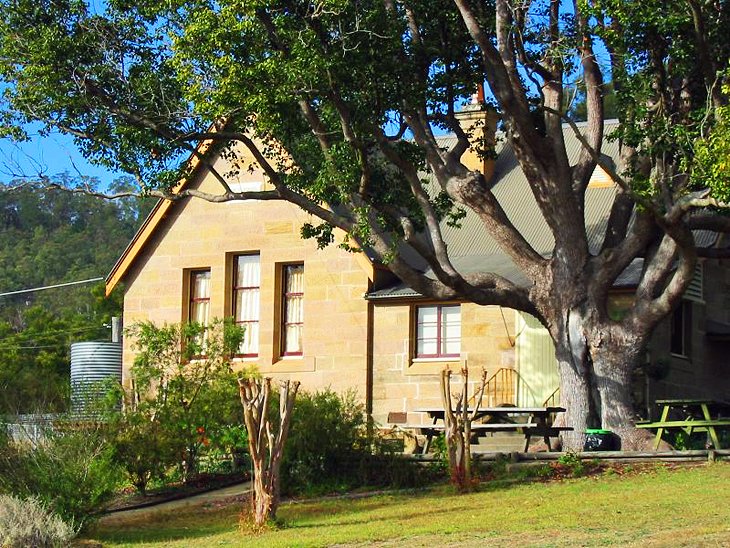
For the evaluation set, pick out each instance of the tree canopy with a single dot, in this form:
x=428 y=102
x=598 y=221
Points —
x=48 y=237
x=341 y=104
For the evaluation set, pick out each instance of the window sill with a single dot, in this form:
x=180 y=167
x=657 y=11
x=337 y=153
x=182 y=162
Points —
x=290 y=364
x=432 y=366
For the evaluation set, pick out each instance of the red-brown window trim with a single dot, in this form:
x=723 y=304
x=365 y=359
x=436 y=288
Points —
x=439 y=354
x=285 y=298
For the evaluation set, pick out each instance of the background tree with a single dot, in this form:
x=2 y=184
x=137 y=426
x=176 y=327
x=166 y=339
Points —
x=47 y=237
x=458 y=418
x=340 y=104
x=267 y=436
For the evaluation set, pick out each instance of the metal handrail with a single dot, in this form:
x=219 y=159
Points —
x=553 y=399
x=501 y=387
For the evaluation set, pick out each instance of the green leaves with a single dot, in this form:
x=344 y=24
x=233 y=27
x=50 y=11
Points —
x=135 y=82
x=711 y=162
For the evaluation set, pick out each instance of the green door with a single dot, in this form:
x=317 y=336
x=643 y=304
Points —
x=536 y=364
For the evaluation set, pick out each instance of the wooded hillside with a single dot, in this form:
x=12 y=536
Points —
x=49 y=237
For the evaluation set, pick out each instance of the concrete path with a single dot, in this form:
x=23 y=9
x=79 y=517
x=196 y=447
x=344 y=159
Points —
x=202 y=498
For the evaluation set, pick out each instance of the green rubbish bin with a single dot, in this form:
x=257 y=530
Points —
x=601 y=440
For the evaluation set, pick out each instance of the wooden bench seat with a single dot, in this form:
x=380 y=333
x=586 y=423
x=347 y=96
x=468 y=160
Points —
x=688 y=425
x=493 y=427
x=684 y=424
x=431 y=427
x=528 y=429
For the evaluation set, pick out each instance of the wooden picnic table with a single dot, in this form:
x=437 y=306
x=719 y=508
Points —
x=697 y=416
x=531 y=421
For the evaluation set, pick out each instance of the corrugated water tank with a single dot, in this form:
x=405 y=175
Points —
x=92 y=363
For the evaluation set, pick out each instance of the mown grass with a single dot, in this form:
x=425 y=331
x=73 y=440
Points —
x=659 y=506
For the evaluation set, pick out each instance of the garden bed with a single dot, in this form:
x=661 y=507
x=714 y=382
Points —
x=130 y=499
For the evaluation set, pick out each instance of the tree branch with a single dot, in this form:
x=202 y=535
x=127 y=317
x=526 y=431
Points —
x=583 y=169
x=708 y=221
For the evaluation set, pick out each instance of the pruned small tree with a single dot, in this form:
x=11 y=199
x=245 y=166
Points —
x=266 y=440
x=457 y=421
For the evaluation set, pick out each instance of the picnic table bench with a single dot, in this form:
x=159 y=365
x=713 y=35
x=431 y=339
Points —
x=530 y=421
x=697 y=418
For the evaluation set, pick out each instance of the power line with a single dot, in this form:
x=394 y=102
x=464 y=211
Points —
x=51 y=287
x=46 y=334
x=58 y=345
x=8 y=341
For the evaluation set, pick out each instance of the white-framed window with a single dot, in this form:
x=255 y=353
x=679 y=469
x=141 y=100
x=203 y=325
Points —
x=247 y=186
x=438 y=331
x=292 y=317
x=246 y=301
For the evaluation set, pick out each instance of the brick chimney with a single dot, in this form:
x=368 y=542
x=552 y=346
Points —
x=479 y=121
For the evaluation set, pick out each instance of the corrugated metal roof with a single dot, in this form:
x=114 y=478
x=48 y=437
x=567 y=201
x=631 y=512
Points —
x=472 y=248
x=502 y=266
x=705 y=238
x=513 y=192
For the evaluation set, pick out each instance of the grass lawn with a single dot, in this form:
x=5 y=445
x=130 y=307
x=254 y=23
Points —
x=657 y=506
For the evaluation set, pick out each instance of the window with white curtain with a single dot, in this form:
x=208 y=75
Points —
x=199 y=305
x=199 y=297
x=292 y=310
x=438 y=331
x=246 y=305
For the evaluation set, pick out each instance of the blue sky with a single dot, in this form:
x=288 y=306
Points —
x=48 y=156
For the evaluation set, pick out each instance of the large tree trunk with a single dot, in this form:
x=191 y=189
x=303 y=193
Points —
x=575 y=397
x=612 y=370
x=596 y=361
x=571 y=352
x=614 y=362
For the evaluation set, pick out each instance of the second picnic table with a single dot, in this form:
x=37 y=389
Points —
x=696 y=416
x=531 y=421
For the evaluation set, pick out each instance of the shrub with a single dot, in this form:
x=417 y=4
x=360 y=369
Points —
x=71 y=472
x=573 y=463
x=184 y=395
x=143 y=448
x=326 y=441
x=228 y=449
x=331 y=447
x=29 y=523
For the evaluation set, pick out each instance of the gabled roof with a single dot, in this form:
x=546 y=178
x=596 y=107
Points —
x=161 y=210
x=512 y=190
x=153 y=220
x=471 y=248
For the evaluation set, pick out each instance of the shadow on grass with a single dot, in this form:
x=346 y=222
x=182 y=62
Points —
x=187 y=523
x=198 y=522
x=346 y=512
